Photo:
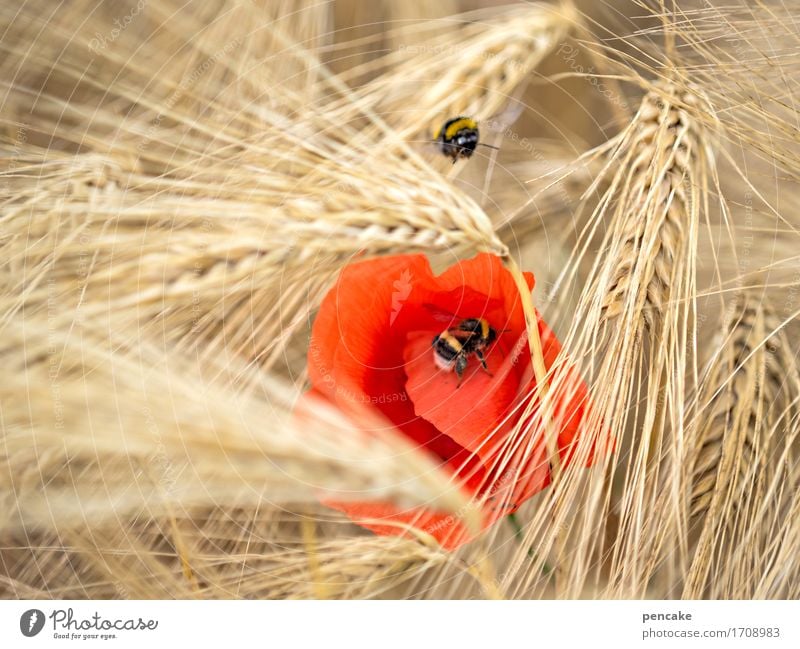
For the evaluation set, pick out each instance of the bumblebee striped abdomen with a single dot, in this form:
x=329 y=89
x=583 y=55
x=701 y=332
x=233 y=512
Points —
x=446 y=349
x=458 y=137
x=452 y=347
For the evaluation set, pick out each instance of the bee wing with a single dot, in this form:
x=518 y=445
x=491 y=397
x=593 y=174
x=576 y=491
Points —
x=502 y=120
x=441 y=315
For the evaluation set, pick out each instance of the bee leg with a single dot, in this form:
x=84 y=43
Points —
x=461 y=365
x=479 y=354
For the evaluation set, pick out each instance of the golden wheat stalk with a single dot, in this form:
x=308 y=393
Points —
x=647 y=295
x=640 y=291
x=169 y=439
x=171 y=223
x=749 y=399
x=780 y=580
x=302 y=202
x=472 y=68
x=230 y=555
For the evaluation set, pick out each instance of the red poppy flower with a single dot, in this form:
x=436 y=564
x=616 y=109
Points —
x=371 y=345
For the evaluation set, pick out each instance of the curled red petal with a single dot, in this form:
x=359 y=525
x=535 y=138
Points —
x=358 y=319
x=486 y=275
x=475 y=413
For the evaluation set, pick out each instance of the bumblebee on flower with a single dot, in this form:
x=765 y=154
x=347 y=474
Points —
x=462 y=394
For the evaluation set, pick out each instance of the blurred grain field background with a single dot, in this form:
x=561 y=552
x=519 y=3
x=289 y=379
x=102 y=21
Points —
x=182 y=182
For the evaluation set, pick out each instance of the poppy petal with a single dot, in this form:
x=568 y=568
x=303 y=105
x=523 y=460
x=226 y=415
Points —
x=486 y=275
x=522 y=469
x=388 y=520
x=468 y=412
x=356 y=315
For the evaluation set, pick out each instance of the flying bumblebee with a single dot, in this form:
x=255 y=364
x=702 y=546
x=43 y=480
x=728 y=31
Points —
x=458 y=137
x=453 y=347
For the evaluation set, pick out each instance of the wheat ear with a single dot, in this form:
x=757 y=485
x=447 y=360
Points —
x=748 y=399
